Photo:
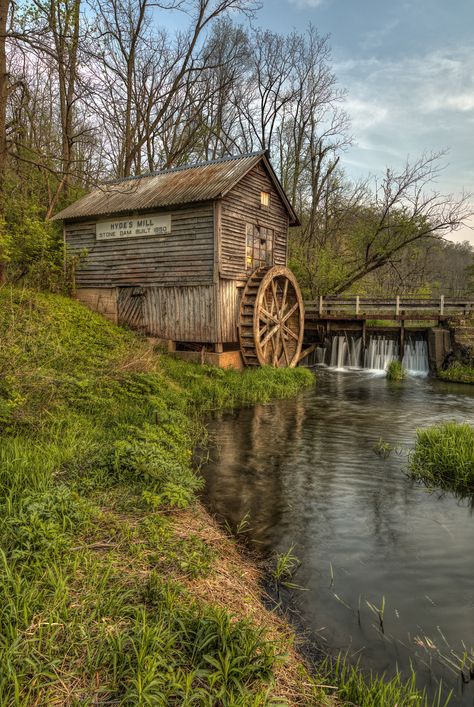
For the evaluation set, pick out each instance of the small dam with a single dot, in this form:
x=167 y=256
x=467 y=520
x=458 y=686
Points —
x=341 y=351
x=369 y=333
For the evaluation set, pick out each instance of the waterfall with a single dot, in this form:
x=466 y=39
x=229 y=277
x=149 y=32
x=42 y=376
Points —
x=344 y=351
x=380 y=352
x=415 y=357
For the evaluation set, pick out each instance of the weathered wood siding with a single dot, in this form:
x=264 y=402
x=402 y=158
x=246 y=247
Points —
x=181 y=313
x=185 y=256
x=229 y=294
x=241 y=206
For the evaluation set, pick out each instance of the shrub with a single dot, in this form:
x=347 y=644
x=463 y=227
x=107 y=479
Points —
x=444 y=456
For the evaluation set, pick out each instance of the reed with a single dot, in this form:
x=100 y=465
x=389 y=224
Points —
x=444 y=456
x=356 y=687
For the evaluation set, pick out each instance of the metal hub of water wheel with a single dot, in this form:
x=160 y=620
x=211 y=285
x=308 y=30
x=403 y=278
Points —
x=271 y=318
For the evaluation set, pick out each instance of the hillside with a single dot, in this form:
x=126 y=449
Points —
x=114 y=583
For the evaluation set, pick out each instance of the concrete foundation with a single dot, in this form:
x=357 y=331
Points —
x=439 y=346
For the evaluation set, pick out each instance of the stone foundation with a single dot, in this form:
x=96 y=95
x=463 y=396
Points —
x=100 y=299
x=227 y=359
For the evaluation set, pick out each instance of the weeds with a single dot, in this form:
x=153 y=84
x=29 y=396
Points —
x=382 y=448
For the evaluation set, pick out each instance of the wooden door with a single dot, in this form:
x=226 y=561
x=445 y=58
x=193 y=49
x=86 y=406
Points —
x=131 y=307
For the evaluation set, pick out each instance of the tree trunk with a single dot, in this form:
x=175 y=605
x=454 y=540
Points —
x=4 y=9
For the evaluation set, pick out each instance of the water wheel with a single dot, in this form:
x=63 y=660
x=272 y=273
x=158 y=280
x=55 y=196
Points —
x=271 y=318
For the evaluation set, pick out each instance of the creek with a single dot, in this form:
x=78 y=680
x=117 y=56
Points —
x=307 y=474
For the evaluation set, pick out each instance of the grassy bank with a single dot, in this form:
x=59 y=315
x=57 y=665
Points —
x=108 y=569
x=458 y=373
x=115 y=584
x=444 y=457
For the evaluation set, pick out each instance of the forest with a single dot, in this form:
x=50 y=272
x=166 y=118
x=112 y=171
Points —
x=94 y=91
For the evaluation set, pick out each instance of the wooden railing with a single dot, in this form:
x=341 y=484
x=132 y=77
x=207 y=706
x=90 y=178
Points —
x=398 y=307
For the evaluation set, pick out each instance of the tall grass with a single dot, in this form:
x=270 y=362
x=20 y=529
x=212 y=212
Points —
x=444 y=457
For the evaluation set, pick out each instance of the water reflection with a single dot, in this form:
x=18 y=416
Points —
x=306 y=473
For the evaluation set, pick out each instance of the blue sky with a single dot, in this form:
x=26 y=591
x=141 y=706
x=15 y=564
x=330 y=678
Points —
x=408 y=68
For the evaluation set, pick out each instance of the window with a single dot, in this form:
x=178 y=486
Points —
x=259 y=248
x=265 y=199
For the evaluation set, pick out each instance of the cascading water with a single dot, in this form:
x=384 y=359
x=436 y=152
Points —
x=380 y=352
x=415 y=357
x=342 y=351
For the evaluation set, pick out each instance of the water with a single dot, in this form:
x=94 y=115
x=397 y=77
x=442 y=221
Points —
x=345 y=351
x=306 y=473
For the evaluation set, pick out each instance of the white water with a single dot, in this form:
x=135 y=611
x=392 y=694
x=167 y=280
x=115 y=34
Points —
x=415 y=357
x=345 y=351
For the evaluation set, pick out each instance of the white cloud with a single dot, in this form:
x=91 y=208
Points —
x=375 y=38
x=306 y=3
x=410 y=105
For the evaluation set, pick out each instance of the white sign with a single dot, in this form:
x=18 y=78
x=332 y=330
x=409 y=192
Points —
x=139 y=227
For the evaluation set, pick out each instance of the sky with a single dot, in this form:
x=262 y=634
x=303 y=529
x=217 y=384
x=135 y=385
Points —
x=408 y=68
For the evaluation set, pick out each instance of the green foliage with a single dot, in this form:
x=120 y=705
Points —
x=458 y=373
x=395 y=371
x=31 y=246
x=444 y=456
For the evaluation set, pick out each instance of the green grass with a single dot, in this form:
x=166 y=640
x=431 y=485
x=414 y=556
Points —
x=444 y=457
x=96 y=440
x=395 y=371
x=458 y=373
x=356 y=687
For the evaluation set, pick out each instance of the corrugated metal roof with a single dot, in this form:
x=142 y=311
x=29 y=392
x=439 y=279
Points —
x=181 y=185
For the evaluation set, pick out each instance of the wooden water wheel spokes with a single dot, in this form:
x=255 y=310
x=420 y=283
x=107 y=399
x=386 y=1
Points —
x=271 y=318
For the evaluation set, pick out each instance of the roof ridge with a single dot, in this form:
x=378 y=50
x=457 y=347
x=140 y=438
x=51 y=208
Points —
x=228 y=158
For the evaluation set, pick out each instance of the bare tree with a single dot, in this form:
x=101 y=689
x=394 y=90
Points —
x=404 y=209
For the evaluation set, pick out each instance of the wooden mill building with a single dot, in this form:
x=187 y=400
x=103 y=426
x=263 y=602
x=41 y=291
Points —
x=195 y=256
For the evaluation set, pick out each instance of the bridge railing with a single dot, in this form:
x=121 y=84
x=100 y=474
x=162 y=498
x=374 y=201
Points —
x=395 y=307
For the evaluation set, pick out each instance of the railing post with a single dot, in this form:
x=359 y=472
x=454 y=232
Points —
x=357 y=304
x=320 y=304
x=397 y=306
x=441 y=305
